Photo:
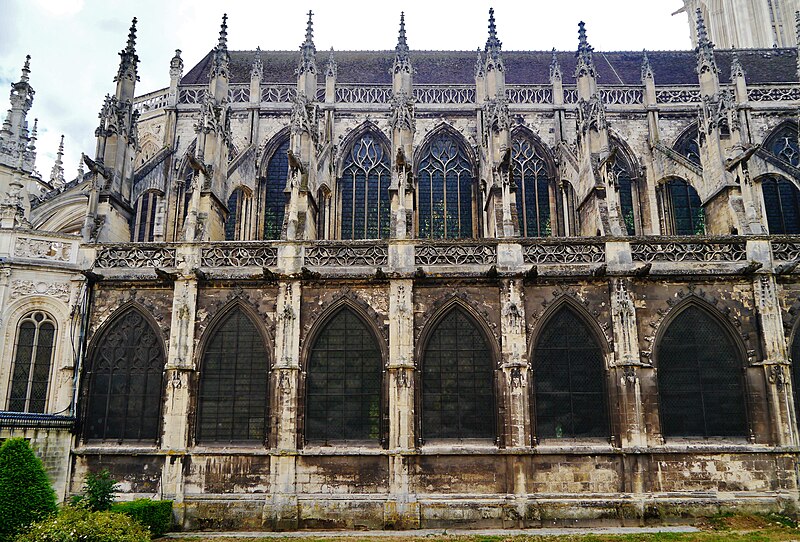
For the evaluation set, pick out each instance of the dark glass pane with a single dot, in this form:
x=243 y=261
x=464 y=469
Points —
x=782 y=203
x=687 y=211
x=533 y=189
x=364 y=188
x=700 y=379
x=688 y=145
x=444 y=185
x=234 y=379
x=625 y=183
x=233 y=215
x=277 y=174
x=784 y=144
x=569 y=380
x=127 y=356
x=343 y=386
x=457 y=381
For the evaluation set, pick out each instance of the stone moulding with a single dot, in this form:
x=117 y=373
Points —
x=239 y=255
x=134 y=256
x=564 y=253
x=346 y=255
x=456 y=254
x=685 y=250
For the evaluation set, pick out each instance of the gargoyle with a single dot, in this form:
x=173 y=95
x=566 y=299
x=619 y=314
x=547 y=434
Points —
x=197 y=165
x=295 y=164
x=97 y=168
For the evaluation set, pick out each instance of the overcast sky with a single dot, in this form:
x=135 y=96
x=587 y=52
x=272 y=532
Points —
x=74 y=44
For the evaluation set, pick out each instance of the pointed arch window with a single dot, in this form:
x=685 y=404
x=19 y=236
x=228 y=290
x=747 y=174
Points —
x=569 y=380
x=445 y=189
x=688 y=145
x=782 y=203
x=628 y=194
x=684 y=212
x=795 y=356
x=534 y=181
x=237 y=224
x=145 y=212
x=274 y=186
x=343 y=387
x=125 y=381
x=234 y=380
x=457 y=381
x=33 y=358
x=783 y=143
x=700 y=378
x=364 y=190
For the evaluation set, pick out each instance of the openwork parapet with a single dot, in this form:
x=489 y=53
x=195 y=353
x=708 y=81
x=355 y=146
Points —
x=239 y=255
x=134 y=256
x=784 y=250
x=687 y=250
x=774 y=94
x=344 y=254
x=564 y=252
x=455 y=254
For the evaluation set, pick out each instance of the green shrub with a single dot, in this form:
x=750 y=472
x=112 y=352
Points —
x=78 y=524
x=25 y=492
x=98 y=492
x=155 y=515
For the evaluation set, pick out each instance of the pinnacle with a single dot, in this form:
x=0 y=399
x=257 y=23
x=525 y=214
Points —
x=131 y=47
x=702 y=32
x=402 y=44
x=223 y=33
x=583 y=41
x=797 y=24
x=60 y=152
x=26 y=69
x=310 y=29
x=647 y=69
x=492 y=42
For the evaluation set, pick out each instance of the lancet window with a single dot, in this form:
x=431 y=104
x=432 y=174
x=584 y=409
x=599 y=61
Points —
x=125 y=381
x=683 y=211
x=343 y=386
x=234 y=381
x=457 y=381
x=364 y=190
x=273 y=188
x=569 y=380
x=624 y=178
x=145 y=216
x=445 y=189
x=33 y=358
x=700 y=378
x=534 y=181
x=237 y=224
x=782 y=204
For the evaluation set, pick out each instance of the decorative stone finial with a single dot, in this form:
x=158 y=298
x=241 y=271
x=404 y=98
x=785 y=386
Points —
x=797 y=32
x=402 y=49
x=34 y=136
x=555 y=68
x=492 y=43
x=57 y=173
x=131 y=45
x=479 y=65
x=737 y=70
x=705 y=49
x=223 y=33
x=26 y=70
x=257 y=69
x=585 y=65
x=332 y=69
x=129 y=62
x=176 y=65
x=647 y=69
x=308 y=50
x=221 y=59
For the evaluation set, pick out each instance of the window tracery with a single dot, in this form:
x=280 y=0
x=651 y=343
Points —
x=145 y=216
x=33 y=358
x=684 y=214
x=533 y=180
x=782 y=204
x=688 y=145
x=364 y=190
x=784 y=144
x=274 y=197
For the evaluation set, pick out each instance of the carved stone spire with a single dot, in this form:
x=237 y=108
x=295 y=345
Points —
x=34 y=136
x=479 y=65
x=493 y=45
x=176 y=65
x=401 y=50
x=585 y=65
x=257 y=69
x=221 y=59
x=555 y=68
x=15 y=150
x=705 y=49
x=647 y=69
x=26 y=70
x=129 y=61
x=308 y=50
x=737 y=70
x=332 y=70
x=57 y=173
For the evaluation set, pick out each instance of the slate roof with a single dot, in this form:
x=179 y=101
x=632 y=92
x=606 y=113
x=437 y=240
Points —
x=522 y=67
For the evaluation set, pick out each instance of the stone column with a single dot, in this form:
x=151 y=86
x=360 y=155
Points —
x=282 y=508
x=401 y=509
x=514 y=367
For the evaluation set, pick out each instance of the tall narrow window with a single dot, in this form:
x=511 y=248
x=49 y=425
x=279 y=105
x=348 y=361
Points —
x=275 y=184
x=783 y=143
x=700 y=378
x=444 y=190
x=533 y=180
x=569 y=376
x=33 y=357
x=628 y=196
x=145 y=217
x=237 y=224
x=234 y=380
x=364 y=189
x=685 y=214
x=782 y=203
x=688 y=145
x=457 y=381
x=125 y=379
x=343 y=388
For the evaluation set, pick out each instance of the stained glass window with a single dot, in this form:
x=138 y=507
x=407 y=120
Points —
x=784 y=144
x=622 y=171
x=569 y=380
x=237 y=224
x=533 y=182
x=275 y=205
x=688 y=145
x=682 y=204
x=364 y=189
x=234 y=381
x=457 y=381
x=33 y=356
x=145 y=217
x=343 y=387
x=125 y=379
x=700 y=378
x=444 y=190
x=782 y=202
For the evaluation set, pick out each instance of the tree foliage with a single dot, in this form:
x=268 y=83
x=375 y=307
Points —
x=25 y=492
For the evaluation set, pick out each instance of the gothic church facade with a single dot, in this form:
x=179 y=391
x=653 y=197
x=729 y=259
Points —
x=416 y=289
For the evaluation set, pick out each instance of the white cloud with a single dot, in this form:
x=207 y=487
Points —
x=60 y=8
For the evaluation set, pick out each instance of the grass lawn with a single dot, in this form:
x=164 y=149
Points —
x=719 y=529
